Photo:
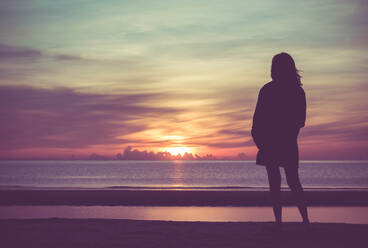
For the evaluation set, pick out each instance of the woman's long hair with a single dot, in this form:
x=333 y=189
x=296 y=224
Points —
x=283 y=70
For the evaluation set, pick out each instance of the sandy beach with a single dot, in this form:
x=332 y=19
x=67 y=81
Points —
x=112 y=232
x=134 y=233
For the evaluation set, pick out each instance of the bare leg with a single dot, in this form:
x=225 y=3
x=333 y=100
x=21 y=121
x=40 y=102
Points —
x=274 y=179
x=292 y=177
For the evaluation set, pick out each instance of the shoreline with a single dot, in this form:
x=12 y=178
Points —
x=123 y=197
x=181 y=188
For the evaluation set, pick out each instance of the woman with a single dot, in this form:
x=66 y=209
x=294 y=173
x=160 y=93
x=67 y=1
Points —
x=279 y=115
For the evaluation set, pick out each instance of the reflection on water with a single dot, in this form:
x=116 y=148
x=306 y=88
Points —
x=355 y=215
x=178 y=174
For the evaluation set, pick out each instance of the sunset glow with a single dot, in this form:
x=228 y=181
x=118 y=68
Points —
x=178 y=150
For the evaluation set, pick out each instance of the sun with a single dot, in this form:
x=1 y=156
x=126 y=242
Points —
x=178 y=150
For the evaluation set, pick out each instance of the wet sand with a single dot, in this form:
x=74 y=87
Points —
x=134 y=233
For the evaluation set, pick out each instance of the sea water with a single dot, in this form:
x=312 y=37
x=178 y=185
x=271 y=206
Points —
x=209 y=175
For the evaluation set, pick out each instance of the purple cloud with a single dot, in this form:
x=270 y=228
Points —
x=64 y=118
x=66 y=57
x=13 y=52
x=23 y=53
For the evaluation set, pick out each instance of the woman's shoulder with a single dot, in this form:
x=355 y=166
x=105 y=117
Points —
x=268 y=86
x=268 y=89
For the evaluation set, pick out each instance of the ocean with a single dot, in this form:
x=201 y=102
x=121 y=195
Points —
x=194 y=175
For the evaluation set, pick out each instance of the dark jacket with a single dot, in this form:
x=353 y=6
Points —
x=278 y=117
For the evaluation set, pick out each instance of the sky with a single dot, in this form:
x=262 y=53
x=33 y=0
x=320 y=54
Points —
x=86 y=76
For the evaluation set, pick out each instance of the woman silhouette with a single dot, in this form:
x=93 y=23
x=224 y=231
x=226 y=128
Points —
x=278 y=117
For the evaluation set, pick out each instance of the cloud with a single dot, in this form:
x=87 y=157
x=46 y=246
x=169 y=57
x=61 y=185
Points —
x=65 y=57
x=130 y=154
x=344 y=131
x=235 y=132
x=8 y=52
x=63 y=118
x=134 y=154
x=231 y=144
x=68 y=119
x=13 y=52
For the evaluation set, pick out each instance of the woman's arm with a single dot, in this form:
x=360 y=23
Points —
x=258 y=119
x=303 y=109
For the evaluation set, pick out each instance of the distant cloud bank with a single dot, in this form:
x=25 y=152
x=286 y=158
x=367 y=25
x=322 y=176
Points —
x=134 y=154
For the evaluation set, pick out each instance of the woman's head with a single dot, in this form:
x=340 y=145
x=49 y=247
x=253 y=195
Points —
x=283 y=69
